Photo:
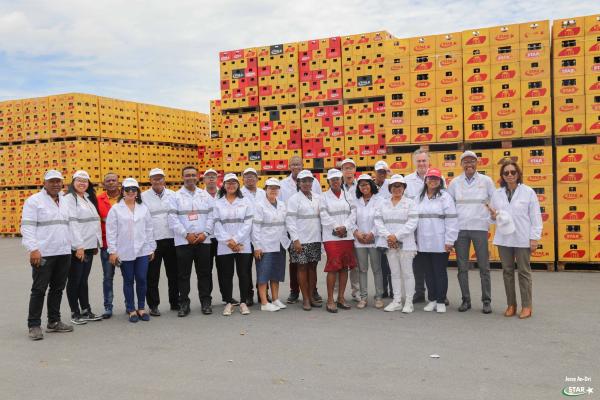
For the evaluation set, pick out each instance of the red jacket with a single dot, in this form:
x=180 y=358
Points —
x=103 y=209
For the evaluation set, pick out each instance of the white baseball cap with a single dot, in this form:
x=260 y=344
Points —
x=273 y=182
x=229 y=177
x=156 y=171
x=305 y=174
x=130 y=182
x=468 y=153
x=397 y=178
x=365 y=177
x=210 y=171
x=250 y=170
x=81 y=174
x=52 y=174
x=334 y=173
x=379 y=165
x=346 y=161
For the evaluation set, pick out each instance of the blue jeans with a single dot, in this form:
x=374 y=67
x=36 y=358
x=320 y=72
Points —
x=108 y=271
x=136 y=270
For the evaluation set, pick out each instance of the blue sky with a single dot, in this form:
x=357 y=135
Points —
x=166 y=53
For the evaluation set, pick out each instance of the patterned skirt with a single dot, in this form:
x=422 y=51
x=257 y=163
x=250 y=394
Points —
x=311 y=252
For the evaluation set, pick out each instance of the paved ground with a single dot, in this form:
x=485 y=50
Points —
x=293 y=354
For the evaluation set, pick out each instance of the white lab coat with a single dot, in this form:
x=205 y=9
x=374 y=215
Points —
x=384 y=191
x=365 y=218
x=84 y=223
x=129 y=234
x=233 y=221
x=400 y=220
x=438 y=223
x=524 y=208
x=269 y=231
x=45 y=225
x=159 y=207
x=191 y=213
x=414 y=185
x=335 y=212
x=350 y=190
x=288 y=188
x=302 y=219
x=471 y=199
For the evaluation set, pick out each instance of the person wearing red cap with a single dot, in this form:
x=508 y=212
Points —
x=436 y=233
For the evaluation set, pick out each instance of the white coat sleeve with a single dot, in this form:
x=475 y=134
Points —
x=291 y=218
x=220 y=233
x=173 y=218
x=409 y=227
x=450 y=221
x=316 y=187
x=452 y=189
x=150 y=242
x=380 y=227
x=327 y=220
x=210 y=219
x=535 y=232
x=29 y=222
x=246 y=228
x=257 y=227
x=112 y=230
x=74 y=226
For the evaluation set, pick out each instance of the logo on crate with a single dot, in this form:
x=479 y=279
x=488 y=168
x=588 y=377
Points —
x=506 y=94
x=571 y=177
x=536 y=93
x=576 y=127
x=569 y=52
x=276 y=50
x=570 y=31
x=365 y=80
x=535 y=129
x=475 y=40
x=238 y=73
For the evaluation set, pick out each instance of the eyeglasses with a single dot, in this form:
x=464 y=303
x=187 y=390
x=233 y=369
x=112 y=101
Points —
x=510 y=172
x=130 y=189
x=397 y=185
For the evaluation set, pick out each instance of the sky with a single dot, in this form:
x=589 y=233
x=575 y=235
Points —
x=167 y=52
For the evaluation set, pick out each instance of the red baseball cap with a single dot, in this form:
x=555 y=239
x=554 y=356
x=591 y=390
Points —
x=433 y=172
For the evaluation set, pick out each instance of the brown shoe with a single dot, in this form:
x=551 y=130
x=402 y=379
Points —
x=510 y=311
x=525 y=313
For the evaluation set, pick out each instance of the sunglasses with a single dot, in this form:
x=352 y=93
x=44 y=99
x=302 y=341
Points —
x=511 y=172
x=130 y=189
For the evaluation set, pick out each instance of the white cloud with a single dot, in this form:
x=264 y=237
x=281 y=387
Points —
x=167 y=52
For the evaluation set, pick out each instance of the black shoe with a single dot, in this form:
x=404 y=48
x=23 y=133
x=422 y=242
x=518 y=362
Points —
x=88 y=315
x=58 y=326
x=466 y=305
x=174 y=307
x=154 y=311
x=447 y=302
x=419 y=298
x=487 y=308
x=250 y=301
x=293 y=298
x=206 y=309
x=385 y=295
x=317 y=297
x=184 y=310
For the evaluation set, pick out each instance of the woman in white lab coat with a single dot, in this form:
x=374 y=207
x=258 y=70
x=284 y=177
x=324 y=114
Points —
x=86 y=239
x=131 y=246
x=516 y=210
x=338 y=221
x=436 y=233
x=233 y=229
x=304 y=226
x=396 y=219
x=270 y=239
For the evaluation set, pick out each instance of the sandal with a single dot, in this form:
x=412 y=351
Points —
x=306 y=307
x=133 y=317
x=143 y=315
x=316 y=304
x=332 y=309
x=343 y=306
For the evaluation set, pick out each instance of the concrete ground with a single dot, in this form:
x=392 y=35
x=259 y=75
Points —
x=293 y=354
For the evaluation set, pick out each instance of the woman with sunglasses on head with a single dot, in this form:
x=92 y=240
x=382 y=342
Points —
x=131 y=246
x=304 y=226
x=436 y=233
x=516 y=210
x=86 y=235
x=396 y=219
x=233 y=228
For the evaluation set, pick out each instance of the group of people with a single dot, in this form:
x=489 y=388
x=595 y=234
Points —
x=402 y=228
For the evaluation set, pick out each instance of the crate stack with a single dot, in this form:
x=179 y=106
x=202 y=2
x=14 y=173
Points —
x=449 y=112
x=323 y=133
x=278 y=74
x=76 y=131
x=422 y=84
x=592 y=74
x=280 y=138
x=364 y=132
x=239 y=78
x=210 y=152
x=397 y=92
x=320 y=70
x=241 y=141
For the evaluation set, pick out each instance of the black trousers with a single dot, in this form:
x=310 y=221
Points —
x=213 y=256
x=77 y=284
x=199 y=255
x=419 y=273
x=53 y=275
x=241 y=261
x=249 y=272
x=386 y=274
x=165 y=250
x=435 y=266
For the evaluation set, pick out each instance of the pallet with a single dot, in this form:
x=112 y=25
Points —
x=240 y=110
x=563 y=266
x=323 y=103
x=411 y=147
x=279 y=107
x=10 y=235
x=575 y=140
x=361 y=100
x=507 y=144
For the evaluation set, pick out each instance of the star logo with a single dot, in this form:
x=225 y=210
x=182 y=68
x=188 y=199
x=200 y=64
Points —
x=590 y=390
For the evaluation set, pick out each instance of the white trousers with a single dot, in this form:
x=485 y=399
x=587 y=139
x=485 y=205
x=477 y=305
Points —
x=401 y=264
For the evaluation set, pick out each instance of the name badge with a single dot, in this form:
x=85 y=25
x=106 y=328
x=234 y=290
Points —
x=192 y=217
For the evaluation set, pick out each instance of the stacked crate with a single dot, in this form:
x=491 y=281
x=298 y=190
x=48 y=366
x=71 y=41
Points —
x=449 y=88
x=280 y=138
x=210 y=151
x=241 y=141
x=422 y=84
x=364 y=132
x=320 y=70
x=239 y=78
x=322 y=136
x=397 y=92
x=278 y=74
x=592 y=74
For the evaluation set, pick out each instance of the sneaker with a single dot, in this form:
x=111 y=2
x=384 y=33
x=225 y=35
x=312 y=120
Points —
x=107 y=314
x=441 y=308
x=77 y=320
x=244 y=309
x=430 y=306
x=393 y=306
x=378 y=304
x=293 y=298
x=35 y=333
x=487 y=308
x=58 y=326
x=145 y=317
x=228 y=309
x=154 y=311
x=465 y=305
x=279 y=304
x=361 y=304
x=408 y=307
x=317 y=297
x=268 y=307
x=88 y=315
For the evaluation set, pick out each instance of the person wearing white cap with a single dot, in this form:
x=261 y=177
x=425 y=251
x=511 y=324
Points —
x=436 y=233
x=192 y=220
x=516 y=239
x=338 y=221
x=158 y=201
x=364 y=240
x=86 y=239
x=289 y=187
x=381 y=173
x=233 y=229
x=210 y=182
x=304 y=226
x=131 y=245
x=348 y=168
x=46 y=236
x=252 y=194
x=396 y=220
x=472 y=192
x=270 y=239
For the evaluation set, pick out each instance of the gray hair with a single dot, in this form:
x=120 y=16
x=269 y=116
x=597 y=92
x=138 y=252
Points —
x=419 y=151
